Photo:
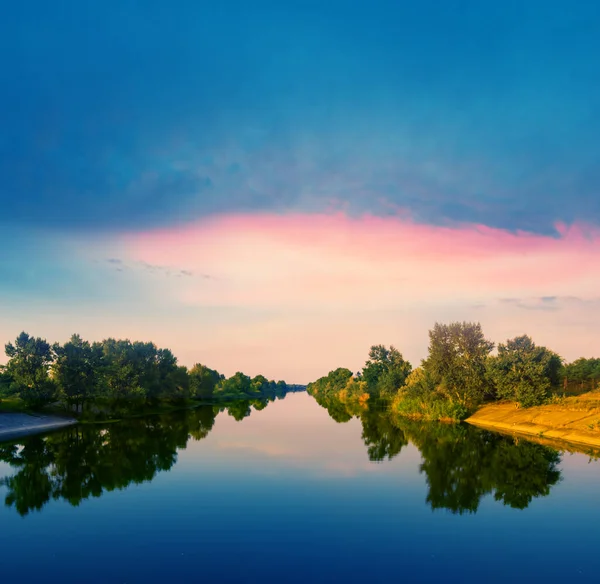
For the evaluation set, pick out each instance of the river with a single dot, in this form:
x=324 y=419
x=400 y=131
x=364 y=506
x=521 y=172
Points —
x=289 y=494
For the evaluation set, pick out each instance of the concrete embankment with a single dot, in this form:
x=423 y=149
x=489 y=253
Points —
x=15 y=425
x=575 y=421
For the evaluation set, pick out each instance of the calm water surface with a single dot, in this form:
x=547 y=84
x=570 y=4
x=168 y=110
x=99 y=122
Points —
x=289 y=494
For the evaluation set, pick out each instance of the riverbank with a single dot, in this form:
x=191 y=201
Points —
x=574 y=419
x=16 y=425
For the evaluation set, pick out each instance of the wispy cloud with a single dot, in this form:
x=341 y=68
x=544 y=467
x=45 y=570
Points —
x=154 y=269
x=549 y=303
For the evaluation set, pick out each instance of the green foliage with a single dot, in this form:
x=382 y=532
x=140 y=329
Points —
x=581 y=375
x=6 y=383
x=241 y=387
x=385 y=371
x=120 y=377
x=333 y=382
x=343 y=395
x=75 y=369
x=524 y=372
x=457 y=361
x=430 y=407
x=203 y=381
x=28 y=367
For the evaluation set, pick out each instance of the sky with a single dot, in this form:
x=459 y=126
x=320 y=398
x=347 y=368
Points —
x=273 y=187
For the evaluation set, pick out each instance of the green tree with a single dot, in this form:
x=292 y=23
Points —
x=76 y=369
x=122 y=373
x=28 y=366
x=457 y=359
x=524 y=372
x=6 y=382
x=203 y=381
x=238 y=385
x=582 y=375
x=334 y=382
x=385 y=371
x=260 y=384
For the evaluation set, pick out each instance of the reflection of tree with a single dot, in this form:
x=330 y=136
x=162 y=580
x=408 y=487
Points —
x=85 y=461
x=383 y=439
x=462 y=464
x=338 y=410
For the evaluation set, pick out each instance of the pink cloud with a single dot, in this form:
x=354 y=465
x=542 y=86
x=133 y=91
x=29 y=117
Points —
x=294 y=296
x=333 y=260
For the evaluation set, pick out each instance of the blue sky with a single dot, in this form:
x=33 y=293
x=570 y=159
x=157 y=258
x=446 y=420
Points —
x=129 y=114
x=123 y=117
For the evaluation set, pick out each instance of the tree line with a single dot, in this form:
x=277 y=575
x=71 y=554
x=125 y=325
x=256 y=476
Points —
x=459 y=373
x=118 y=374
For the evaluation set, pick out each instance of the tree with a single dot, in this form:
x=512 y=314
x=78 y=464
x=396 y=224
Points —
x=385 y=371
x=203 y=381
x=334 y=382
x=238 y=385
x=260 y=384
x=76 y=370
x=28 y=366
x=122 y=371
x=457 y=361
x=6 y=382
x=581 y=375
x=523 y=372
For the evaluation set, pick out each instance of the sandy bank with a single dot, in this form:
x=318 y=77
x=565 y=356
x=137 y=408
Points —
x=15 y=425
x=576 y=420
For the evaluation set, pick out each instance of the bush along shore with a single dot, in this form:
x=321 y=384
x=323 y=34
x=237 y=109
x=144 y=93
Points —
x=462 y=372
x=116 y=378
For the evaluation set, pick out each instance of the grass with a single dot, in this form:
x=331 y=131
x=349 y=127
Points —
x=441 y=410
x=13 y=404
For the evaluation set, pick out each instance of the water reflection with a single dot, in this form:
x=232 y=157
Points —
x=87 y=460
x=462 y=464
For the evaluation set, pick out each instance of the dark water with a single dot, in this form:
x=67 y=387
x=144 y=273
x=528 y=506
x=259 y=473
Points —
x=289 y=494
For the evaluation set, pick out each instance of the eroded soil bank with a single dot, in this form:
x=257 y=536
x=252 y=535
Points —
x=575 y=419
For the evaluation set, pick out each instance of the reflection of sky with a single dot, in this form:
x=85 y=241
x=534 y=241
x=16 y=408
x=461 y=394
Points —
x=288 y=495
x=289 y=436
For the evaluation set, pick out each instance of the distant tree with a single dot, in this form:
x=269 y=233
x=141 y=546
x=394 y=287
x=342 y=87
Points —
x=385 y=371
x=28 y=367
x=457 y=361
x=238 y=385
x=77 y=368
x=260 y=384
x=332 y=383
x=524 y=372
x=203 y=381
x=582 y=374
